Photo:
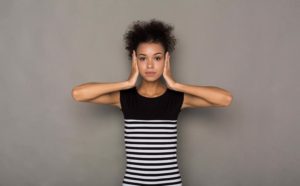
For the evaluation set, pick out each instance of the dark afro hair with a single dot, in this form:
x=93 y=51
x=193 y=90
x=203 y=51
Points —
x=154 y=31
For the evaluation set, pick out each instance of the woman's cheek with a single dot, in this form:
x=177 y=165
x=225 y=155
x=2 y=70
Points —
x=162 y=65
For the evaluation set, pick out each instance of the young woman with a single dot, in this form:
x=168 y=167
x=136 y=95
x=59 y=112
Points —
x=151 y=109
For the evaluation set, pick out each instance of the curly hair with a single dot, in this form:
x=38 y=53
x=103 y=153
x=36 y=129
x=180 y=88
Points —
x=154 y=31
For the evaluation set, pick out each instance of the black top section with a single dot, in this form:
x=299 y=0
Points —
x=165 y=106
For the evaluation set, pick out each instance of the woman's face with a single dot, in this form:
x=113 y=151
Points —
x=150 y=60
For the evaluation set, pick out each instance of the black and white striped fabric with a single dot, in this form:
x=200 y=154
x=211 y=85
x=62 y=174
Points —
x=150 y=134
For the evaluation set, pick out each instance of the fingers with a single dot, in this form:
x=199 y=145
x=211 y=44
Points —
x=134 y=61
x=167 y=59
x=133 y=56
x=166 y=56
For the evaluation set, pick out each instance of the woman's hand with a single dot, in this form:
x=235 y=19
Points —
x=134 y=71
x=167 y=72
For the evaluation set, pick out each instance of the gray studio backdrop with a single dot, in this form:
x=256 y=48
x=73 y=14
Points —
x=250 y=48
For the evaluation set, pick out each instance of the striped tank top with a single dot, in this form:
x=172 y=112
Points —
x=150 y=134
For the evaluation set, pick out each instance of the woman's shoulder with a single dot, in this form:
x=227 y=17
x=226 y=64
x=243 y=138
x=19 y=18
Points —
x=127 y=91
x=175 y=92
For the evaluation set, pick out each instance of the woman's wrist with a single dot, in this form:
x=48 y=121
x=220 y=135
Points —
x=128 y=85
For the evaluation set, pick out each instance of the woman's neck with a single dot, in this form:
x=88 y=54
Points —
x=151 y=89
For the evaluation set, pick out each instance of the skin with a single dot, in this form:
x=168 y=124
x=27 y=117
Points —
x=152 y=57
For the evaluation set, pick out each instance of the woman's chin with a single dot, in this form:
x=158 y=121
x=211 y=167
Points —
x=150 y=78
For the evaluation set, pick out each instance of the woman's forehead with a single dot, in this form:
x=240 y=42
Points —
x=150 y=49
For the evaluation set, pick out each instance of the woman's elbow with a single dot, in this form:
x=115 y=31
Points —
x=76 y=94
x=227 y=100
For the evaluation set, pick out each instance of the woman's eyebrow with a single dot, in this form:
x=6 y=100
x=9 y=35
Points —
x=154 y=54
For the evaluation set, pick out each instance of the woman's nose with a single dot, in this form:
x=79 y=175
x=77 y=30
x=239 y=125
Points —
x=149 y=63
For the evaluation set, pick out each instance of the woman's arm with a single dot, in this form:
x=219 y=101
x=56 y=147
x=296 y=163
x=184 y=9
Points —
x=196 y=96
x=90 y=91
x=106 y=93
x=203 y=96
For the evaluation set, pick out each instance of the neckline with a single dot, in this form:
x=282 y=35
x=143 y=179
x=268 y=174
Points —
x=151 y=98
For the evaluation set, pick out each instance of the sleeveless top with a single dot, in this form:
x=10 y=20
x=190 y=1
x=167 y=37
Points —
x=150 y=134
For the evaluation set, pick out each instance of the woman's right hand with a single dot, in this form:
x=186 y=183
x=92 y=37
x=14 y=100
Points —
x=134 y=70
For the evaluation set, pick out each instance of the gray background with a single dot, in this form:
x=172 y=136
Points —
x=250 y=48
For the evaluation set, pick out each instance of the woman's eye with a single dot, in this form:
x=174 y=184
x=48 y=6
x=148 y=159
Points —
x=142 y=59
x=158 y=58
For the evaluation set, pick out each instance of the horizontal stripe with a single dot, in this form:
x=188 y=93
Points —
x=129 y=164
x=151 y=182
x=150 y=140
x=152 y=161
x=149 y=120
x=151 y=148
x=151 y=152
x=152 y=172
x=156 y=137
x=153 y=169
x=150 y=127
x=127 y=184
x=150 y=145
x=172 y=155
x=130 y=125
x=152 y=166
x=151 y=135
x=152 y=177
x=150 y=130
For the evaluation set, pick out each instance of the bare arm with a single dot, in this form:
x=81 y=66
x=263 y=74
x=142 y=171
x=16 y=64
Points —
x=106 y=93
x=92 y=90
x=197 y=96
x=203 y=96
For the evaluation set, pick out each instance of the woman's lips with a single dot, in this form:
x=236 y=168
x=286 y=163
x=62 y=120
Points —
x=150 y=73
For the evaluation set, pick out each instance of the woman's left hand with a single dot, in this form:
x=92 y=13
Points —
x=167 y=72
